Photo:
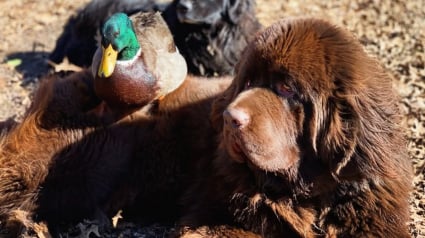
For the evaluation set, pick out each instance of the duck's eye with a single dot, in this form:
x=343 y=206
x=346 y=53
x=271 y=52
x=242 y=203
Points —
x=283 y=90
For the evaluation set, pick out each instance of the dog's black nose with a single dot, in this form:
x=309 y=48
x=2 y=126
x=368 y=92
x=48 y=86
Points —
x=236 y=118
x=184 y=6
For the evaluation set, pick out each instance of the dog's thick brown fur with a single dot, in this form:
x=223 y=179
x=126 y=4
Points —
x=34 y=151
x=66 y=161
x=174 y=135
x=310 y=143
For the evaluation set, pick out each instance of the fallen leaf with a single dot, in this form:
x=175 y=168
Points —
x=116 y=218
x=64 y=66
x=14 y=62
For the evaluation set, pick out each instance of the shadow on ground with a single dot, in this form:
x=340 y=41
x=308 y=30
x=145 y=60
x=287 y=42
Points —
x=32 y=65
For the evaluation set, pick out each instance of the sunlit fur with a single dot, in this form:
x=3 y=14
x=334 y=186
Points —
x=57 y=119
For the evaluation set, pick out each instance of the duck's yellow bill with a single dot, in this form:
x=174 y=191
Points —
x=108 y=61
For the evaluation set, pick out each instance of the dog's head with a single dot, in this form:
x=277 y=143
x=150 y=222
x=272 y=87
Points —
x=211 y=11
x=306 y=101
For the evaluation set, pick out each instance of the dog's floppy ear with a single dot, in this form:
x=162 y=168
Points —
x=235 y=9
x=338 y=139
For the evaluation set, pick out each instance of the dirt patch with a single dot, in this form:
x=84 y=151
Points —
x=391 y=30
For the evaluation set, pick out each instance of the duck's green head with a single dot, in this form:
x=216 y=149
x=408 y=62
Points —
x=119 y=42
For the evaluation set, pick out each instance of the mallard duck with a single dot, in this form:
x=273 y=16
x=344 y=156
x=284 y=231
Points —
x=137 y=61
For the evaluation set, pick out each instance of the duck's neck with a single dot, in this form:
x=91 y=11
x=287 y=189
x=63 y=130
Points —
x=131 y=50
x=130 y=61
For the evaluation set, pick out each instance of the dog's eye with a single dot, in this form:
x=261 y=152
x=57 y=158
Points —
x=247 y=85
x=283 y=90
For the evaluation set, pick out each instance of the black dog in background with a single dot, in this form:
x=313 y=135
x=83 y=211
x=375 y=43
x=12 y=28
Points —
x=210 y=34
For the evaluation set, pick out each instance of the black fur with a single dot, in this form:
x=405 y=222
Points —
x=211 y=37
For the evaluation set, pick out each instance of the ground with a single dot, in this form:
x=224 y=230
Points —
x=391 y=30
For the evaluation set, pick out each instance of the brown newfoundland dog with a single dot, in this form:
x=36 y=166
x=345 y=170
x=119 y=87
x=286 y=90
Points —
x=310 y=143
